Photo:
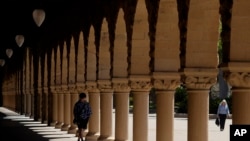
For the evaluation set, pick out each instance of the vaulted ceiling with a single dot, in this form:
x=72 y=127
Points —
x=67 y=17
x=62 y=19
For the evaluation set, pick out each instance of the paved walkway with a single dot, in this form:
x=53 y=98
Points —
x=15 y=127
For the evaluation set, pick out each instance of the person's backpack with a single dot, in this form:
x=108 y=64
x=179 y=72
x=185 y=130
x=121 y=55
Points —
x=86 y=111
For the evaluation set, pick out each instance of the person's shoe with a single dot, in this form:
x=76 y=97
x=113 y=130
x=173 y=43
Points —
x=221 y=129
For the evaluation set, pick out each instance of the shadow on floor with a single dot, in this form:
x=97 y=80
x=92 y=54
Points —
x=14 y=131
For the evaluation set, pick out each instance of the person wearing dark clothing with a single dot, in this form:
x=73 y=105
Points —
x=223 y=113
x=82 y=112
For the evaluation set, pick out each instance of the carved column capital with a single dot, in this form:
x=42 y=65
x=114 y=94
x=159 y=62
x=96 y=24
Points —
x=238 y=79
x=39 y=89
x=64 y=88
x=45 y=90
x=140 y=83
x=91 y=86
x=80 y=87
x=31 y=91
x=105 y=85
x=199 y=82
x=166 y=81
x=237 y=74
x=72 y=88
x=121 y=85
x=53 y=89
x=58 y=87
x=200 y=78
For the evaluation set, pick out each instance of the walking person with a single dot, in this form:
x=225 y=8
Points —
x=222 y=113
x=82 y=112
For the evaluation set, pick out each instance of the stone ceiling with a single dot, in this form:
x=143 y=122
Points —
x=64 y=18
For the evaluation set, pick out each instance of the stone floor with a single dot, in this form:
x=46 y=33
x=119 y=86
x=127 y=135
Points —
x=15 y=127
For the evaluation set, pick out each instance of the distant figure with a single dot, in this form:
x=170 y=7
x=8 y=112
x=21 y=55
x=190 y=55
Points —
x=82 y=112
x=223 y=112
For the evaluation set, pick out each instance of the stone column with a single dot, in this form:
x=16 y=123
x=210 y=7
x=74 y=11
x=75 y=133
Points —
x=58 y=83
x=66 y=108
x=53 y=90
x=60 y=107
x=94 y=93
x=66 y=93
x=141 y=87
x=4 y=93
x=198 y=83
x=78 y=66
x=39 y=90
x=237 y=75
x=201 y=61
x=28 y=102
x=121 y=95
x=106 y=110
x=45 y=105
x=72 y=86
x=45 y=92
x=17 y=93
x=39 y=100
x=81 y=88
x=73 y=98
x=54 y=106
x=238 y=70
x=165 y=85
x=241 y=104
x=27 y=83
x=31 y=87
x=94 y=121
x=24 y=87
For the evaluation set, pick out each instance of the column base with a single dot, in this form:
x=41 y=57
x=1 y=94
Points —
x=45 y=122
x=102 y=138
x=27 y=115
x=84 y=134
x=92 y=136
x=59 y=125
x=32 y=116
x=53 y=123
x=65 y=127
x=72 y=129
x=39 y=119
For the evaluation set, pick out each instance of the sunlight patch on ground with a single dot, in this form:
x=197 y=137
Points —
x=51 y=133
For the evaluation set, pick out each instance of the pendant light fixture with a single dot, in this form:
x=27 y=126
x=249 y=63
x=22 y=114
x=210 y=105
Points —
x=9 y=52
x=2 y=62
x=38 y=16
x=19 y=40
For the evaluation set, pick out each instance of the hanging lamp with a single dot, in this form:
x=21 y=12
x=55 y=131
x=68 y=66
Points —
x=9 y=52
x=2 y=62
x=38 y=16
x=19 y=40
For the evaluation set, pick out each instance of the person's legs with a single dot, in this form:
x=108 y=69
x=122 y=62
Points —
x=222 y=121
x=84 y=127
x=80 y=134
x=80 y=130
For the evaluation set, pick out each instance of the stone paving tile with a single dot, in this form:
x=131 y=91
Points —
x=15 y=127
